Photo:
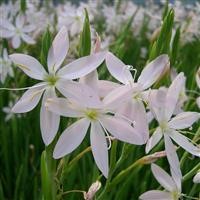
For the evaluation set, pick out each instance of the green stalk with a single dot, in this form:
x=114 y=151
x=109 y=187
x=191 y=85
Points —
x=48 y=170
x=191 y=172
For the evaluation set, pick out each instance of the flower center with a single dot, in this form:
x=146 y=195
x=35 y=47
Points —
x=18 y=31
x=91 y=114
x=51 y=79
x=175 y=195
x=164 y=125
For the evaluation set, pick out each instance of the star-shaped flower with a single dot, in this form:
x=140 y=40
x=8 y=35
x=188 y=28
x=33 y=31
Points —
x=55 y=78
x=92 y=113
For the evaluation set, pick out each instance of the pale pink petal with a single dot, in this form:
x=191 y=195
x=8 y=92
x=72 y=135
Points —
x=153 y=140
x=134 y=110
x=173 y=160
x=163 y=178
x=28 y=39
x=173 y=94
x=29 y=100
x=63 y=107
x=28 y=28
x=122 y=130
x=105 y=87
x=29 y=65
x=49 y=122
x=58 y=50
x=19 y=21
x=118 y=69
x=119 y=95
x=5 y=24
x=185 y=143
x=82 y=66
x=157 y=101
x=153 y=71
x=156 y=195
x=91 y=80
x=6 y=33
x=71 y=138
x=184 y=120
x=82 y=94
x=16 y=41
x=99 y=147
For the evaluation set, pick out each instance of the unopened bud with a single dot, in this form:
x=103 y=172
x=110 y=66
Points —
x=196 y=178
x=152 y=158
x=92 y=190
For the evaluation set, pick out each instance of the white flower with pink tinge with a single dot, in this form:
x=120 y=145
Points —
x=17 y=32
x=56 y=78
x=162 y=105
x=172 y=190
x=131 y=102
x=97 y=116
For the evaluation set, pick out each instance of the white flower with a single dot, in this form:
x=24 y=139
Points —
x=17 y=32
x=172 y=190
x=94 y=114
x=8 y=111
x=131 y=104
x=55 y=78
x=162 y=106
x=5 y=66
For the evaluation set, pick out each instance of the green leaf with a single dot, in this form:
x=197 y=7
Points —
x=175 y=46
x=47 y=177
x=85 y=38
x=46 y=44
x=162 y=44
x=23 y=5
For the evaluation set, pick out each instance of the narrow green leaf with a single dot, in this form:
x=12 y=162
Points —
x=175 y=46
x=46 y=44
x=46 y=181
x=23 y=5
x=85 y=38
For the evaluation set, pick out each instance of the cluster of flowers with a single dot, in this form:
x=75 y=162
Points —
x=110 y=110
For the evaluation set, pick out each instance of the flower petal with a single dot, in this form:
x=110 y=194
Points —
x=71 y=138
x=49 y=122
x=29 y=65
x=99 y=147
x=122 y=130
x=119 y=95
x=153 y=71
x=173 y=160
x=105 y=87
x=16 y=41
x=156 y=195
x=6 y=33
x=163 y=178
x=184 y=143
x=63 y=107
x=29 y=100
x=28 y=28
x=118 y=69
x=134 y=110
x=79 y=93
x=183 y=120
x=28 y=39
x=153 y=140
x=5 y=24
x=173 y=94
x=58 y=50
x=82 y=66
x=19 y=21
